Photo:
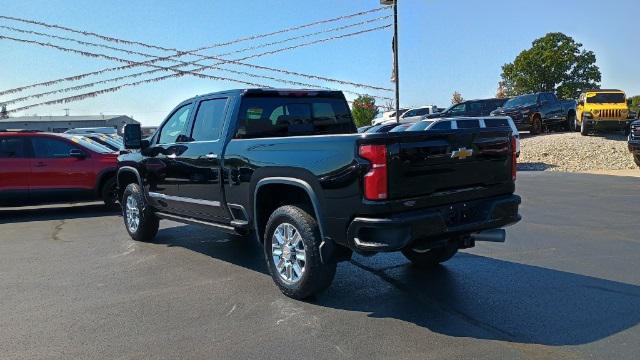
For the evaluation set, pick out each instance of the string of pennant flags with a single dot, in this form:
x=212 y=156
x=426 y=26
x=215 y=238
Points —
x=176 y=69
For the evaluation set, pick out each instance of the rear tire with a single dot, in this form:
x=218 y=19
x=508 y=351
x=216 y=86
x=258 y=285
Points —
x=427 y=259
x=636 y=159
x=109 y=193
x=139 y=220
x=292 y=250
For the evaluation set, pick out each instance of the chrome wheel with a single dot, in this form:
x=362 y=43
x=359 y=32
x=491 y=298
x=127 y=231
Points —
x=133 y=214
x=287 y=250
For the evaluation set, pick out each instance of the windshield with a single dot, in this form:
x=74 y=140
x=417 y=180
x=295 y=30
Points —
x=419 y=126
x=606 y=98
x=524 y=100
x=90 y=144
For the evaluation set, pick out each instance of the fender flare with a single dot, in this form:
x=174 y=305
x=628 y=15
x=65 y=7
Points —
x=294 y=182
x=128 y=169
x=326 y=246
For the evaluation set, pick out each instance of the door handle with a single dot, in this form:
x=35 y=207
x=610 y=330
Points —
x=40 y=164
x=211 y=156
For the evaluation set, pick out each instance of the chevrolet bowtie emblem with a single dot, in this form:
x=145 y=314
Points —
x=461 y=153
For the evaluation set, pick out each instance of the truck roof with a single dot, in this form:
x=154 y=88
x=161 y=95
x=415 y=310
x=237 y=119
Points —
x=269 y=91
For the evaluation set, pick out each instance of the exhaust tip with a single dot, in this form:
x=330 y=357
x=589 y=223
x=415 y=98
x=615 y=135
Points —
x=493 y=235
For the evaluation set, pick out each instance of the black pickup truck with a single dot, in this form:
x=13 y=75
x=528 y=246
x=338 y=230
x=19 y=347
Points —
x=288 y=167
x=535 y=112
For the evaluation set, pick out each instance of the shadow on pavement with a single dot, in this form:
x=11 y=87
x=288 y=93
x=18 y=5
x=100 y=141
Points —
x=9 y=215
x=470 y=296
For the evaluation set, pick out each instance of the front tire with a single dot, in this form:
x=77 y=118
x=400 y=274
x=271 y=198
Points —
x=584 y=131
x=536 y=125
x=427 y=259
x=292 y=250
x=140 y=222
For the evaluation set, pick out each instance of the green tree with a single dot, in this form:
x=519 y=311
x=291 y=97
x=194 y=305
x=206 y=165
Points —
x=364 y=110
x=635 y=103
x=555 y=62
x=456 y=98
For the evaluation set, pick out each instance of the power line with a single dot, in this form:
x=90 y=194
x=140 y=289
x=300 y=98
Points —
x=162 y=68
x=138 y=43
x=177 y=74
x=172 y=58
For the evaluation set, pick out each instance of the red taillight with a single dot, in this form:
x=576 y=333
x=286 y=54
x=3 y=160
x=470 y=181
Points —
x=375 y=181
x=514 y=159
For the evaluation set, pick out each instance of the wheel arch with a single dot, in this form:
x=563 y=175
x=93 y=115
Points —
x=127 y=175
x=103 y=177
x=293 y=188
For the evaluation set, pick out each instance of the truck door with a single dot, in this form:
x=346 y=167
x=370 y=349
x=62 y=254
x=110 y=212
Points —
x=163 y=171
x=550 y=106
x=202 y=160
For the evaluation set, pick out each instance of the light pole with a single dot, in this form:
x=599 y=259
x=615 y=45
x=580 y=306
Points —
x=396 y=71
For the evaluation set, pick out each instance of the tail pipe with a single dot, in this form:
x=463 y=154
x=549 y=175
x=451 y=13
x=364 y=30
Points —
x=494 y=235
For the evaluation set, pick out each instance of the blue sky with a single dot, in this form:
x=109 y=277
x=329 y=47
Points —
x=444 y=45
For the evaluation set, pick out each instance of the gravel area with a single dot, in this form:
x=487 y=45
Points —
x=572 y=152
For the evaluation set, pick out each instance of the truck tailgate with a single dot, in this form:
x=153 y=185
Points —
x=435 y=163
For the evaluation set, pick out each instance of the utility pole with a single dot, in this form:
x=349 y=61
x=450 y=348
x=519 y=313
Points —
x=66 y=112
x=396 y=67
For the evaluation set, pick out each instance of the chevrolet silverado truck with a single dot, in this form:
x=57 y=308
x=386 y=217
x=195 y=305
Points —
x=604 y=109
x=289 y=168
x=634 y=141
x=539 y=111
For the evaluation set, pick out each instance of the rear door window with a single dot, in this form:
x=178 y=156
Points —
x=12 y=148
x=46 y=148
x=209 y=120
x=281 y=116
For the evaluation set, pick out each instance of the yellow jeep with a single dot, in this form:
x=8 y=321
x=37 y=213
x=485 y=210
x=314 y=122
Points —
x=605 y=109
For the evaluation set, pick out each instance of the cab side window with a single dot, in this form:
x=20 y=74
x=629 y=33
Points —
x=460 y=108
x=209 y=120
x=12 y=148
x=175 y=126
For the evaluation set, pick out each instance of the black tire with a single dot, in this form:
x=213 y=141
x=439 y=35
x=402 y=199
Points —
x=536 y=125
x=627 y=130
x=636 y=159
x=147 y=226
x=571 y=119
x=315 y=276
x=584 y=131
x=109 y=193
x=430 y=258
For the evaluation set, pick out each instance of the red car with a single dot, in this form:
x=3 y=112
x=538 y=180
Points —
x=37 y=167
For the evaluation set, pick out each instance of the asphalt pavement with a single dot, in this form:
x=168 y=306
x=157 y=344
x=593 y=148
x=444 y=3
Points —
x=565 y=285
